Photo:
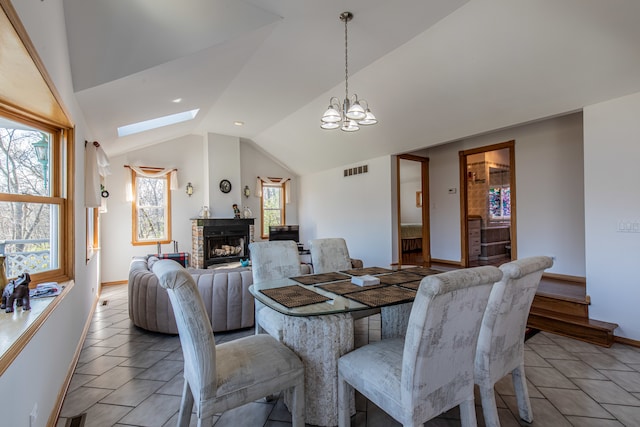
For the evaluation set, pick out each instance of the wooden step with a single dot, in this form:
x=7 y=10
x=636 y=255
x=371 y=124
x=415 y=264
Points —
x=584 y=329
x=561 y=304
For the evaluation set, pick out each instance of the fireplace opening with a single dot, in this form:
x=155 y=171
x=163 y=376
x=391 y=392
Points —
x=224 y=243
x=227 y=246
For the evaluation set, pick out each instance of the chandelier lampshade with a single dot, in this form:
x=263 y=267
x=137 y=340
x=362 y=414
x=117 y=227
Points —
x=351 y=114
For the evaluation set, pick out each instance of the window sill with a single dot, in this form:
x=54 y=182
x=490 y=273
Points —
x=17 y=328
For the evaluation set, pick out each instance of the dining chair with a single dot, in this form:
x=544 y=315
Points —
x=329 y=254
x=273 y=260
x=500 y=348
x=430 y=370
x=221 y=377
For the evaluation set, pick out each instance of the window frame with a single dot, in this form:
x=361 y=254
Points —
x=275 y=183
x=60 y=193
x=134 y=208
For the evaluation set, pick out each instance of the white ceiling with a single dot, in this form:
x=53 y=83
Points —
x=432 y=70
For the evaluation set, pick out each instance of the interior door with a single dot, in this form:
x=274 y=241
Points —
x=488 y=205
x=413 y=213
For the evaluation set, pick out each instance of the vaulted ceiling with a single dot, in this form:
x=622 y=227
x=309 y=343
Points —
x=432 y=71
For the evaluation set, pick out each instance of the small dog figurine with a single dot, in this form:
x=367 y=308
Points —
x=17 y=291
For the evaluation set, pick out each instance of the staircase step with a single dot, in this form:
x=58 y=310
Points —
x=584 y=329
x=561 y=305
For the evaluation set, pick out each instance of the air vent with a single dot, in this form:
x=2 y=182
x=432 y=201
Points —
x=356 y=170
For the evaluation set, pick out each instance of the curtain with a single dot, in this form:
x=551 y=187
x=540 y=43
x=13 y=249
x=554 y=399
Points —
x=282 y=182
x=173 y=185
x=96 y=165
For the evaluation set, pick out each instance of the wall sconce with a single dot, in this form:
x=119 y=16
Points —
x=189 y=189
x=246 y=191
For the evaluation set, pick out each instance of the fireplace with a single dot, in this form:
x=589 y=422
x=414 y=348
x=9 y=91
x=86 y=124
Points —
x=218 y=241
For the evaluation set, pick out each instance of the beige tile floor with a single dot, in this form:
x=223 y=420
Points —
x=129 y=377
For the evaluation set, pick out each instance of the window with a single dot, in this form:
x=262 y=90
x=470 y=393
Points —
x=151 y=206
x=272 y=205
x=34 y=215
x=500 y=202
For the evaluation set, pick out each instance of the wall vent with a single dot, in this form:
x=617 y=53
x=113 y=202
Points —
x=357 y=170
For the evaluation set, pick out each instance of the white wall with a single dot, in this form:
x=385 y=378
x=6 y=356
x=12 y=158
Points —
x=357 y=208
x=38 y=373
x=611 y=154
x=185 y=154
x=223 y=155
x=549 y=185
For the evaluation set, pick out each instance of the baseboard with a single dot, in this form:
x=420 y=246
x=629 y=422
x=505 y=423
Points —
x=627 y=341
x=566 y=278
x=117 y=282
x=446 y=262
x=55 y=413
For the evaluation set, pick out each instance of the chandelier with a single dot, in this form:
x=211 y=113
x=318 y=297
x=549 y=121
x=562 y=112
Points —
x=354 y=112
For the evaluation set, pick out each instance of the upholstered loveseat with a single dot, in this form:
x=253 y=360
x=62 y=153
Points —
x=225 y=293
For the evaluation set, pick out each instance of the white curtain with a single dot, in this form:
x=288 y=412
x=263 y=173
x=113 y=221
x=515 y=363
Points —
x=96 y=165
x=282 y=182
x=173 y=185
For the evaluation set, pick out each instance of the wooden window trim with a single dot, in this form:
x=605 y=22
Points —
x=134 y=211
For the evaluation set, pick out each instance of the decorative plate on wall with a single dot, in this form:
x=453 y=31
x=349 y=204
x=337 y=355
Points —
x=225 y=186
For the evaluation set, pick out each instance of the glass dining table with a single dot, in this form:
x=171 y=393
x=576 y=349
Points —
x=319 y=310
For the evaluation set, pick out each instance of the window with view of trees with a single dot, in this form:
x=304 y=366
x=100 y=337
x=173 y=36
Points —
x=272 y=207
x=151 y=209
x=31 y=202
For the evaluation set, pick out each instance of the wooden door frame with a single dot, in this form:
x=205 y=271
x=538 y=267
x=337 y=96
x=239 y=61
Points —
x=426 y=233
x=464 y=213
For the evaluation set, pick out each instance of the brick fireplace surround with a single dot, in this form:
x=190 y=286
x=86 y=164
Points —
x=212 y=238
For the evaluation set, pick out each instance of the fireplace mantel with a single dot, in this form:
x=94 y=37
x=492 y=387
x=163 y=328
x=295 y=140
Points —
x=212 y=237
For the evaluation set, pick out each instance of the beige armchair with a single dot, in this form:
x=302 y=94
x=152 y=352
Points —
x=418 y=377
x=225 y=376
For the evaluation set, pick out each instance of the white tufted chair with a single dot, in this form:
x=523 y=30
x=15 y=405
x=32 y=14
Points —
x=271 y=261
x=329 y=254
x=501 y=341
x=430 y=370
x=222 y=377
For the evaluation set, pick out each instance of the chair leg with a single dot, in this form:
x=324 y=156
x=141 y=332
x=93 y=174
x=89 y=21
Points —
x=297 y=405
x=522 y=393
x=186 y=405
x=468 y=413
x=344 y=407
x=489 y=409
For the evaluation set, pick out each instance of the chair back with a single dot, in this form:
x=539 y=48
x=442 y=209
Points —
x=274 y=260
x=501 y=338
x=194 y=328
x=329 y=254
x=441 y=338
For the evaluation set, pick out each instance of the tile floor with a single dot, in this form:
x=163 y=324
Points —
x=129 y=377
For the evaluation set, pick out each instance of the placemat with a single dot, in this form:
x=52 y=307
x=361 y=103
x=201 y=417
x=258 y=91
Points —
x=398 y=277
x=312 y=279
x=367 y=270
x=345 y=286
x=387 y=295
x=423 y=271
x=411 y=285
x=294 y=296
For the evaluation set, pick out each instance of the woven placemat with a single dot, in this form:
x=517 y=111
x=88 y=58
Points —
x=313 y=279
x=387 y=295
x=411 y=285
x=398 y=277
x=294 y=296
x=367 y=270
x=423 y=271
x=345 y=286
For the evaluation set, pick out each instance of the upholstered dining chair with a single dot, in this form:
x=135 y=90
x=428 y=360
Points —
x=430 y=370
x=330 y=254
x=501 y=339
x=225 y=376
x=270 y=261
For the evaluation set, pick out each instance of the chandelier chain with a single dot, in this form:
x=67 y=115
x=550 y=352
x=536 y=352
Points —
x=346 y=61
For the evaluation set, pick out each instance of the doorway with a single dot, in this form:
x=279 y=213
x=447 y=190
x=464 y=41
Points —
x=488 y=205
x=413 y=213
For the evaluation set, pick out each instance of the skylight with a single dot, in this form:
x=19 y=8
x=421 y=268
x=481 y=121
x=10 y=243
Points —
x=157 y=122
